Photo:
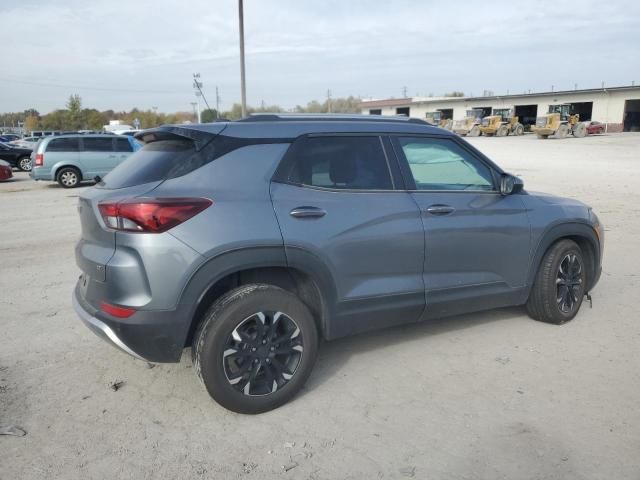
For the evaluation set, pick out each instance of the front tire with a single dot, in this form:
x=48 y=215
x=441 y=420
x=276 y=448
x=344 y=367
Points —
x=559 y=285
x=563 y=131
x=255 y=348
x=24 y=164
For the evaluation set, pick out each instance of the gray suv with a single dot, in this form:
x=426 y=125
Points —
x=250 y=241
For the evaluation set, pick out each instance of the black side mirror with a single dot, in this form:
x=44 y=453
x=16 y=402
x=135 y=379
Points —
x=510 y=184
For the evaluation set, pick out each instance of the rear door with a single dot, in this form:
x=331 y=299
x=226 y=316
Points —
x=343 y=216
x=98 y=155
x=476 y=240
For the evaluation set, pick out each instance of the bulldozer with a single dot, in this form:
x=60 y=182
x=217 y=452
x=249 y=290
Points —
x=502 y=123
x=435 y=119
x=470 y=125
x=559 y=122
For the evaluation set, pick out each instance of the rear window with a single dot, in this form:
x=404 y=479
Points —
x=155 y=161
x=64 y=145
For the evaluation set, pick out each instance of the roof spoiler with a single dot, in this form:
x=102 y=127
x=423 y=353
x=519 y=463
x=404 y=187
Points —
x=200 y=137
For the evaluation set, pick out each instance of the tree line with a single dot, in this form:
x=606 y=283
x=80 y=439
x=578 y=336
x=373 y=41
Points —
x=75 y=117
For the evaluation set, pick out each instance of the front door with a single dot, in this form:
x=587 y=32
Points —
x=342 y=218
x=476 y=240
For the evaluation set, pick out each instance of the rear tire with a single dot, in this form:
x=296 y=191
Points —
x=24 y=164
x=255 y=348
x=559 y=285
x=519 y=129
x=69 y=177
x=503 y=131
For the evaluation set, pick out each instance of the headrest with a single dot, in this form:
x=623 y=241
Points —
x=343 y=168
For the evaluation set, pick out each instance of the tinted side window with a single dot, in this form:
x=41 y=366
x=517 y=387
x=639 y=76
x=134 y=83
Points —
x=441 y=164
x=64 y=145
x=123 y=145
x=350 y=163
x=92 y=144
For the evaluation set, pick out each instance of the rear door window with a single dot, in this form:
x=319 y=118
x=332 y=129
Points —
x=92 y=144
x=343 y=163
x=64 y=145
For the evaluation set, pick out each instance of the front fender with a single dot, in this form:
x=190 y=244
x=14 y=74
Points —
x=555 y=232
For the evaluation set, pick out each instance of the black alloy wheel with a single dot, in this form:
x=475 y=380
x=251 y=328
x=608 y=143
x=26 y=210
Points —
x=263 y=353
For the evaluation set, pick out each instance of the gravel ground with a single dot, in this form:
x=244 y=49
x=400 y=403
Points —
x=489 y=396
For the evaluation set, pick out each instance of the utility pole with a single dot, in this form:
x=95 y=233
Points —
x=404 y=92
x=329 y=101
x=217 y=104
x=193 y=104
x=243 y=88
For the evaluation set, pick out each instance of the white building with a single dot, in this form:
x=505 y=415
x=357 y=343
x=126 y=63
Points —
x=116 y=126
x=618 y=107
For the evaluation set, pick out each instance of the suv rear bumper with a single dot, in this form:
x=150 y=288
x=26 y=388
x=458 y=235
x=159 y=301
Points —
x=152 y=336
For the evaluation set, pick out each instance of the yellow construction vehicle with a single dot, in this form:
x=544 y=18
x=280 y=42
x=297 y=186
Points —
x=470 y=125
x=501 y=124
x=435 y=119
x=559 y=122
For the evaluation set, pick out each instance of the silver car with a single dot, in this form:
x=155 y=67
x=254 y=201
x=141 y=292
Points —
x=70 y=159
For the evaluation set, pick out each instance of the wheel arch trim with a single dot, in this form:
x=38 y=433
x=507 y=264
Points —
x=557 y=232
x=216 y=268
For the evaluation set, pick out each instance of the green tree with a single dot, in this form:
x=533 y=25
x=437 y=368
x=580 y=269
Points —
x=74 y=117
x=208 y=115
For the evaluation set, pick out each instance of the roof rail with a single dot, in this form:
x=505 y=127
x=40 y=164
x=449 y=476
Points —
x=328 y=117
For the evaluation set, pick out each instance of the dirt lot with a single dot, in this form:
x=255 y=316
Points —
x=486 y=396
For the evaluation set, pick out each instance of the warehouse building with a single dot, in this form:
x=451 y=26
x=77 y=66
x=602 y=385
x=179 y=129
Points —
x=617 y=107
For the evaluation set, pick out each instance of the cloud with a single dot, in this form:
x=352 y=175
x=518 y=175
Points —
x=297 y=50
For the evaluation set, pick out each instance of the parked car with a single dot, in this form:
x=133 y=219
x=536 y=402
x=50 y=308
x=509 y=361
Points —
x=250 y=241
x=26 y=142
x=594 y=128
x=70 y=159
x=5 y=171
x=17 y=157
x=8 y=137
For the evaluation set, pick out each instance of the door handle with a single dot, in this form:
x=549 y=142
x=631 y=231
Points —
x=440 y=209
x=307 y=212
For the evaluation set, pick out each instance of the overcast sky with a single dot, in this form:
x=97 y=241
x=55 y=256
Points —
x=121 y=54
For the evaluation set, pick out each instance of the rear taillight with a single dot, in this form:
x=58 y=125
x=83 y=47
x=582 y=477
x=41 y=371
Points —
x=150 y=215
x=39 y=159
x=116 y=311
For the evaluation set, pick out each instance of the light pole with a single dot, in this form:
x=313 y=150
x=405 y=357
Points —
x=243 y=88
x=193 y=104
